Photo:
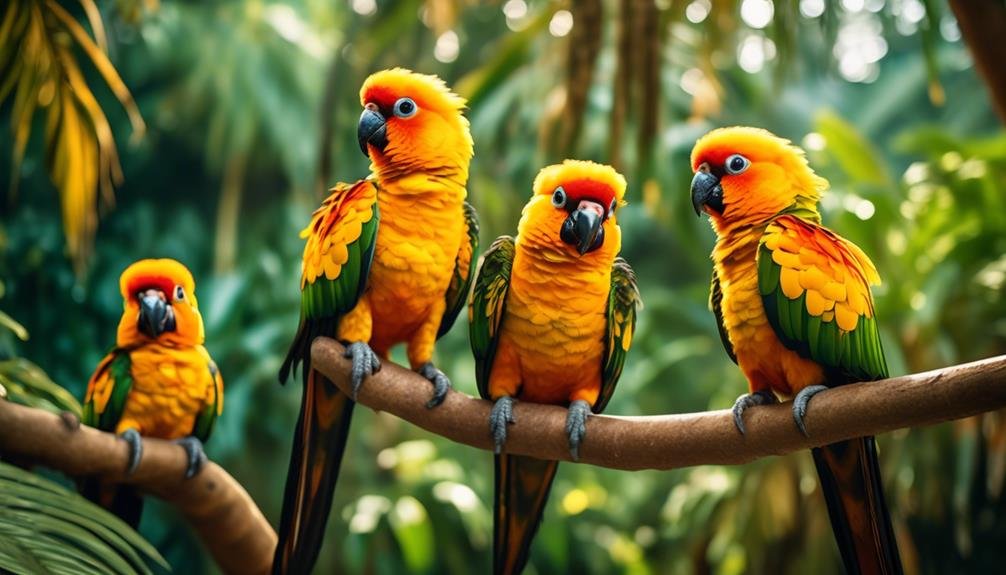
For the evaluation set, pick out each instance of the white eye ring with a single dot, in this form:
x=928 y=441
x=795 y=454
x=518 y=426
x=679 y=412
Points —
x=405 y=108
x=736 y=164
x=179 y=293
x=611 y=208
x=559 y=197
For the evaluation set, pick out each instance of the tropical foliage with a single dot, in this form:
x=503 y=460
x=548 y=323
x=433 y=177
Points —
x=251 y=109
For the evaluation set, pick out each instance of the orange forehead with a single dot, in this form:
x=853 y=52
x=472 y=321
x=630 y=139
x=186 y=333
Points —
x=384 y=88
x=162 y=274
x=755 y=144
x=582 y=180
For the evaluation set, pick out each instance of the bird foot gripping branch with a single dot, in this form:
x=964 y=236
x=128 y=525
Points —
x=365 y=364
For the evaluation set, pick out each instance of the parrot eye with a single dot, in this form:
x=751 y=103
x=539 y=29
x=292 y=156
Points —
x=736 y=164
x=179 y=293
x=405 y=108
x=611 y=208
x=559 y=197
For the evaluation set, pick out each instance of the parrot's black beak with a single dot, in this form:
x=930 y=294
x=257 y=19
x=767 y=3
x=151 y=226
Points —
x=583 y=228
x=156 y=316
x=373 y=129
x=707 y=192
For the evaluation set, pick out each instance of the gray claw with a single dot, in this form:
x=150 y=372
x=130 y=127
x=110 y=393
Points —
x=441 y=385
x=761 y=397
x=576 y=426
x=499 y=417
x=197 y=457
x=800 y=403
x=132 y=437
x=365 y=364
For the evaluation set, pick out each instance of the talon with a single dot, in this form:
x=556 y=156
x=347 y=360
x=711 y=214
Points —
x=761 y=397
x=365 y=364
x=500 y=416
x=576 y=426
x=441 y=385
x=800 y=403
x=196 y=456
x=135 y=442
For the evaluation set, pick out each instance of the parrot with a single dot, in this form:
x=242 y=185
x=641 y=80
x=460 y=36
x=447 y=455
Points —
x=551 y=319
x=387 y=260
x=158 y=381
x=794 y=309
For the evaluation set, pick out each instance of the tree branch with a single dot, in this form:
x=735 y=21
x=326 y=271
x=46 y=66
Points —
x=683 y=440
x=228 y=522
x=983 y=25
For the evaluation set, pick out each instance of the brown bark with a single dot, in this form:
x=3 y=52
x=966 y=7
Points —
x=683 y=440
x=983 y=26
x=227 y=521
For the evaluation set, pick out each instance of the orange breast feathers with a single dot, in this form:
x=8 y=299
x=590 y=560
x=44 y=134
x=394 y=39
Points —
x=170 y=386
x=552 y=339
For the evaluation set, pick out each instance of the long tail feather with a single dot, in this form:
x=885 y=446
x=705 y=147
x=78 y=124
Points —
x=850 y=481
x=522 y=487
x=318 y=445
x=125 y=502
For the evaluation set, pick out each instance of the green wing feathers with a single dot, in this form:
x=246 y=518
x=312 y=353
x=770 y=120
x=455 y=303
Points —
x=815 y=287
x=623 y=301
x=336 y=265
x=464 y=269
x=716 y=305
x=488 y=305
x=107 y=391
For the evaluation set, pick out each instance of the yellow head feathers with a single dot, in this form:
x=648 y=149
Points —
x=760 y=174
x=425 y=129
x=582 y=178
x=170 y=282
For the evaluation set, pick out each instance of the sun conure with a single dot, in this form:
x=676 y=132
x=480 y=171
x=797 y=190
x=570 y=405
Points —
x=388 y=260
x=551 y=320
x=793 y=304
x=158 y=380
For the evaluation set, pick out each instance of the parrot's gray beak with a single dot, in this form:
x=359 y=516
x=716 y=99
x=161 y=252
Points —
x=156 y=316
x=583 y=229
x=372 y=129
x=707 y=192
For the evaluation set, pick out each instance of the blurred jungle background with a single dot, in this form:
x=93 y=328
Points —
x=209 y=131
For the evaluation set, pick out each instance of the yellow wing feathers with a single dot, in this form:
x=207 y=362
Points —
x=336 y=224
x=834 y=273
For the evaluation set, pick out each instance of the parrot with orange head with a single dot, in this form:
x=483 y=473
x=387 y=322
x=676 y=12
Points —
x=793 y=304
x=158 y=381
x=388 y=260
x=551 y=319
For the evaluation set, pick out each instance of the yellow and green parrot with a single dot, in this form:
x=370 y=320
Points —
x=388 y=260
x=793 y=304
x=158 y=381
x=551 y=319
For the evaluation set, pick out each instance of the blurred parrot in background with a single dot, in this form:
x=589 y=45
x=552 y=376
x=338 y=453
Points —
x=793 y=304
x=551 y=319
x=158 y=381
x=388 y=260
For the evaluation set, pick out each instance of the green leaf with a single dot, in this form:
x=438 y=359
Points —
x=852 y=150
x=45 y=528
x=10 y=323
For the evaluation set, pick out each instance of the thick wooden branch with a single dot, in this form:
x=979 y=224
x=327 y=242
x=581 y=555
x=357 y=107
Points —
x=228 y=522
x=672 y=441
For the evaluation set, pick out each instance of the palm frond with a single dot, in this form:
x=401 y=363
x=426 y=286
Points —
x=45 y=528
x=40 y=68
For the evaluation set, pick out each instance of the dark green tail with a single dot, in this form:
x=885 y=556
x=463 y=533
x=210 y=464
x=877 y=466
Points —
x=125 y=502
x=318 y=445
x=850 y=481
x=522 y=487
